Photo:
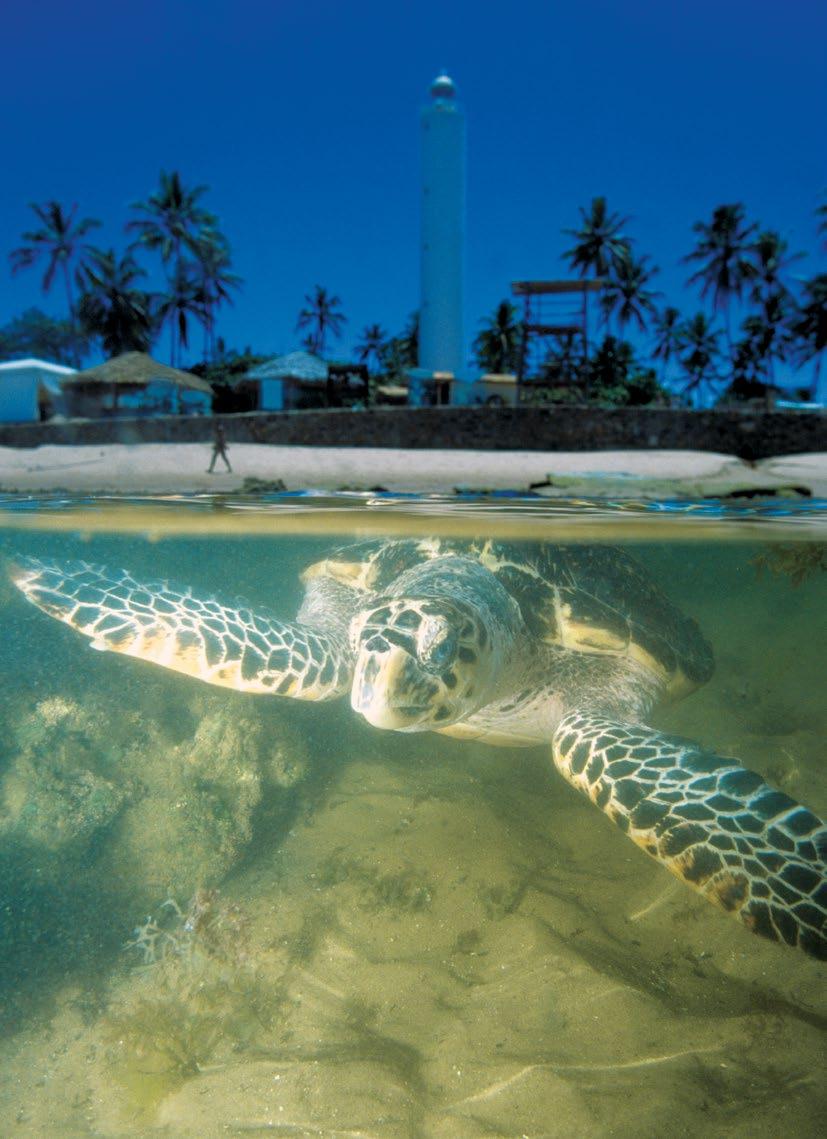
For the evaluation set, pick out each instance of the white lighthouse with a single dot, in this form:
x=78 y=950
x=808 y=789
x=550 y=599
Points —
x=441 y=341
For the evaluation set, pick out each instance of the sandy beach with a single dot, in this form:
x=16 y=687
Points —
x=181 y=468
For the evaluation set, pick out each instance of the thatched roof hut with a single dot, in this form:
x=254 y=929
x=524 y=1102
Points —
x=303 y=366
x=136 y=369
x=136 y=382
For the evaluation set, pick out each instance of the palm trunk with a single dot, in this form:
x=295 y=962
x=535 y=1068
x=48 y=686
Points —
x=70 y=300
x=728 y=330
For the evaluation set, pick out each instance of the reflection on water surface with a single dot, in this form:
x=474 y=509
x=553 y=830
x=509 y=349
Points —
x=226 y=912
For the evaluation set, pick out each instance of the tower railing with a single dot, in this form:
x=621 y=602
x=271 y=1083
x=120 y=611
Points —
x=552 y=311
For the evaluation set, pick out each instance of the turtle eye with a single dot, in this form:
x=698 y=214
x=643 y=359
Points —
x=439 y=652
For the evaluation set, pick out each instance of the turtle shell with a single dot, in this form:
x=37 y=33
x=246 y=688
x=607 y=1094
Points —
x=591 y=599
x=371 y=566
x=599 y=599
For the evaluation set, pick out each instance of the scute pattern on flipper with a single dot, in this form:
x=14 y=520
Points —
x=250 y=651
x=749 y=849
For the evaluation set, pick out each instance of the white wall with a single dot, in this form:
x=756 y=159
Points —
x=18 y=391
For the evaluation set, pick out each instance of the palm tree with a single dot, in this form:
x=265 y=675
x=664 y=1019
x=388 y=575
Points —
x=409 y=341
x=369 y=349
x=184 y=298
x=497 y=346
x=770 y=253
x=565 y=363
x=599 y=244
x=765 y=336
x=808 y=326
x=700 y=351
x=821 y=223
x=112 y=307
x=212 y=270
x=173 y=223
x=322 y=319
x=60 y=240
x=667 y=338
x=402 y=352
x=172 y=218
x=608 y=370
x=722 y=253
x=625 y=293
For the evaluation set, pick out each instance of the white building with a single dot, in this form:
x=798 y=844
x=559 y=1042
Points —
x=26 y=386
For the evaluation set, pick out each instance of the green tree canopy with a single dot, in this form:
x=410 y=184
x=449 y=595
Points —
x=184 y=298
x=700 y=352
x=772 y=259
x=112 y=307
x=33 y=333
x=599 y=243
x=565 y=363
x=402 y=352
x=322 y=317
x=497 y=345
x=626 y=295
x=807 y=325
x=371 y=345
x=667 y=333
x=195 y=256
x=821 y=221
x=170 y=219
x=615 y=376
x=766 y=337
x=722 y=254
x=212 y=271
x=59 y=242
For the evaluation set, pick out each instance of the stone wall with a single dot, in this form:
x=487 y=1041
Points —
x=746 y=433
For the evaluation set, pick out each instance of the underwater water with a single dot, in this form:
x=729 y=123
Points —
x=224 y=913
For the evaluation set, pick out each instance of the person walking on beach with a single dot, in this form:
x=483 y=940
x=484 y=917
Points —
x=219 y=447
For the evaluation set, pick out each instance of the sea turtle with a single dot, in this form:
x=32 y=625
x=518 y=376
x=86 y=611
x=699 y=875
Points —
x=513 y=644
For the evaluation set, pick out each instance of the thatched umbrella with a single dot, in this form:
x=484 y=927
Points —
x=136 y=369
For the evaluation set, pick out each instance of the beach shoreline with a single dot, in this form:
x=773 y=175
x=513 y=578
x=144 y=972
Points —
x=181 y=468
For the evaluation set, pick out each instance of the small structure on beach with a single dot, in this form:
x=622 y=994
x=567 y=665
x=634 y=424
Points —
x=427 y=388
x=497 y=389
x=282 y=380
x=302 y=379
x=30 y=390
x=135 y=384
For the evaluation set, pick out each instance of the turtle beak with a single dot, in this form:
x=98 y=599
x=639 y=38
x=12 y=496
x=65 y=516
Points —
x=383 y=694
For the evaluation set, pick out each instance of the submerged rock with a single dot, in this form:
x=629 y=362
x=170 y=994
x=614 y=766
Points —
x=64 y=782
x=167 y=804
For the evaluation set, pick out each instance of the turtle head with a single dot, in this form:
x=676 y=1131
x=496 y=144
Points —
x=421 y=663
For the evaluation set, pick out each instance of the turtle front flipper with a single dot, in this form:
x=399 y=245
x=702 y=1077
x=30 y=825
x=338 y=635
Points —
x=239 y=648
x=746 y=847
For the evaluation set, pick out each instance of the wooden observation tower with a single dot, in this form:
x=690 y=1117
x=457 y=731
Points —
x=551 y=310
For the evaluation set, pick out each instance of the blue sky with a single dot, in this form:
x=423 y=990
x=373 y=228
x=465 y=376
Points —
x=303 y=119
